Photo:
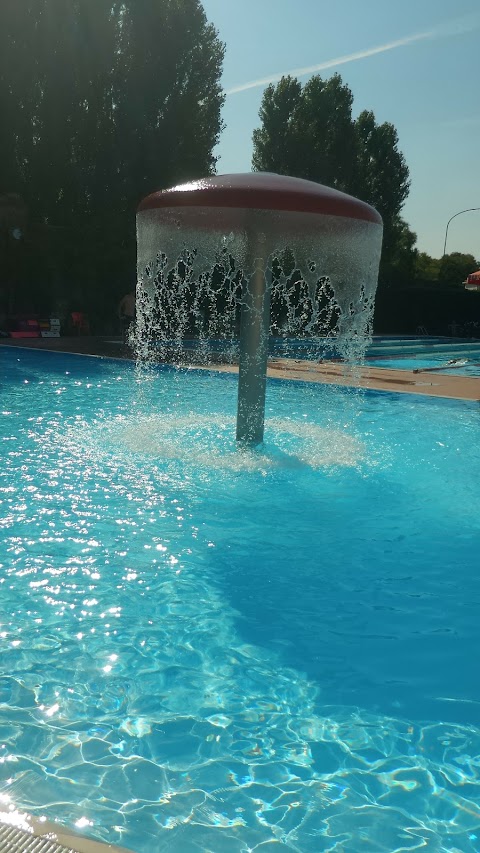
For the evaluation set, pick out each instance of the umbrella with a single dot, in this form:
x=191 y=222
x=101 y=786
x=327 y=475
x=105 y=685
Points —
x=473 y=281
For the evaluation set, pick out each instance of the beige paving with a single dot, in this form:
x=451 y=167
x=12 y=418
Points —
x=382 y=379
x=431 y=383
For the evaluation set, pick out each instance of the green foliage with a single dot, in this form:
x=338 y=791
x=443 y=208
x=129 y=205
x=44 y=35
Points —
x=309 y=132
x=274 y=147
x=455 y=268
x=450 y=269
x=397 y=265
x=425 y=267
x=381 y=175
x=103 y=102
x=382 y=179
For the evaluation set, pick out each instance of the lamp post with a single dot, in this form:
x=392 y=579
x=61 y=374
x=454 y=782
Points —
x=467 y=210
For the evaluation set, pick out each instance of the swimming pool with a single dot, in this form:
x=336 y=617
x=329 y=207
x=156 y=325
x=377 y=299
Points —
x=394 y=352
x=461 y=358
x=206 y=649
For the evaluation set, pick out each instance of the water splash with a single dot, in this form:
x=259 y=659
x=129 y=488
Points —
x=192 y=283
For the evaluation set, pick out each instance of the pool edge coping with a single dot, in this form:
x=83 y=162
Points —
x=443 y=386
x=24 y=827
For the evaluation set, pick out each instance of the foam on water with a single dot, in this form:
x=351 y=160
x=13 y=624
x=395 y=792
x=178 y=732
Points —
x=207 y=441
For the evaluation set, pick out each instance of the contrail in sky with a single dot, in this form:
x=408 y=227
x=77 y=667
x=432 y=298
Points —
x=451 y=28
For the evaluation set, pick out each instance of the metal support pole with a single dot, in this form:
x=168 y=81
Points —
x=254 y=335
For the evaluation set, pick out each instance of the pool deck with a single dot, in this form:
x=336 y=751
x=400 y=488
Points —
x=433 y=384
x=23 y=833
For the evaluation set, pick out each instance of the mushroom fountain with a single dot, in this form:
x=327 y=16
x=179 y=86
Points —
x=213 y=254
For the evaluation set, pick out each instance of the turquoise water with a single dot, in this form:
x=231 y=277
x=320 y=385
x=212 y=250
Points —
x=313 y=348
x=467 y=362
x=207 y=649
x=427 y=353
x=394 y=352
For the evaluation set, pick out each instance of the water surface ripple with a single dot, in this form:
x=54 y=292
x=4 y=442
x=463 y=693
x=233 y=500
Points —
x=204 y=649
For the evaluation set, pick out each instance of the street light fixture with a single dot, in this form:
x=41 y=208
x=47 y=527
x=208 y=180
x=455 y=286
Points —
x=467 y=210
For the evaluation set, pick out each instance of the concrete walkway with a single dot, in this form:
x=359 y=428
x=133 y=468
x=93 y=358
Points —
x=431 y=383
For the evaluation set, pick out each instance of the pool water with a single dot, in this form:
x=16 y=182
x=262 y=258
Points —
x=206 y=649
x=394 y=352
x=467 y=362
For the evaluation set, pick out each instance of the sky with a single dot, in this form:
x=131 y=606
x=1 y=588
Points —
x=415 y=63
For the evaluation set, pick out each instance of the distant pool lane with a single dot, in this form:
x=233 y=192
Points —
x=460 y=360
x=394 y=352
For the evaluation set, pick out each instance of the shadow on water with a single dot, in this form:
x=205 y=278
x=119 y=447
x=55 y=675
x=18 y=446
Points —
x=333 y=575
x=342 y=572
x=351 y=573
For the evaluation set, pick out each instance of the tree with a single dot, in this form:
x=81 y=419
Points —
x=397 y=265
x=381 y=174
x=325 y=136
x=455 y=268
x=426 y=267
x=167 y=94
x=274 y=143
x=309 y=133
x=56 y=72
x=306 y=132
x=104 y=101
x=450 y=269
x=382 y=179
